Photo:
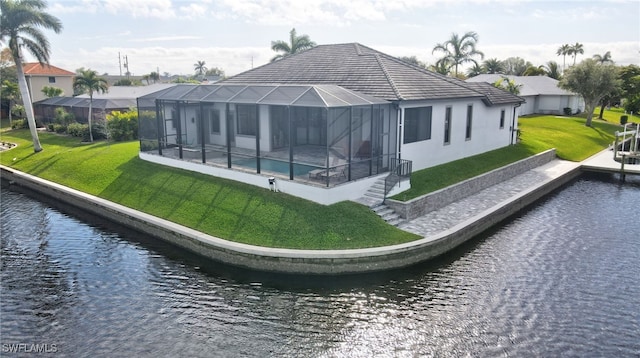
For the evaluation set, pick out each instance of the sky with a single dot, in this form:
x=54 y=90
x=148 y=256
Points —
x=170 y=36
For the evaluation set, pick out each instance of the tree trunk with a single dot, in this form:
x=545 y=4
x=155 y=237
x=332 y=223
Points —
x=28 y=106
x=589 y=108
x=604 y=104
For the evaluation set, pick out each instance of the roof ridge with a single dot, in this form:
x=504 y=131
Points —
x=388 y=77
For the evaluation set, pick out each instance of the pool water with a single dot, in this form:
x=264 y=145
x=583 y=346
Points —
x=276 y=166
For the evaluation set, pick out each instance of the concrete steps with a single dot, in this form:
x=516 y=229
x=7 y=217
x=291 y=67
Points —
x=374 y=199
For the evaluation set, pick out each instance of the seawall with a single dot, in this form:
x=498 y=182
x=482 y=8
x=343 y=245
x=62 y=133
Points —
x=320 y=262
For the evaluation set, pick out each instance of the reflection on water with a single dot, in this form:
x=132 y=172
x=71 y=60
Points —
x=560 y=279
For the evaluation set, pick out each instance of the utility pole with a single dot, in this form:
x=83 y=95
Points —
x=120 y=64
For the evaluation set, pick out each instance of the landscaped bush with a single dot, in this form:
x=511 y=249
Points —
x=624 y=119
x=59 y=128
x=123 y=126
x=78 y=130
x=63 y=117
x=99 y=130
x=19 y=124
x=567 y=111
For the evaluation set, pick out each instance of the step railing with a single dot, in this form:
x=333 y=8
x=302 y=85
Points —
x=400 y=170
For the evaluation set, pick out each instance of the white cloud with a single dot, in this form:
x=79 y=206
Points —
x=166 y=38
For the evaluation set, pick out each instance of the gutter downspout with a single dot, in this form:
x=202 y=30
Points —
x=513 y=122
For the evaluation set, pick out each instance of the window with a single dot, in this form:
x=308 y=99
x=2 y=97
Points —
x=417 y=124
x=469 y=120
x=502 y=119
x=52 y=79
x=214 y=121
x=447 y=125
x=247 y=117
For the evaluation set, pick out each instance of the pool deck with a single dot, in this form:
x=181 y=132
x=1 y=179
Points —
x=441 y=230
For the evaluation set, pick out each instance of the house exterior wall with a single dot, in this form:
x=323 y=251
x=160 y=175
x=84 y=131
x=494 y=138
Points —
x=486 y=133
x=528 y=107
x=37 y=83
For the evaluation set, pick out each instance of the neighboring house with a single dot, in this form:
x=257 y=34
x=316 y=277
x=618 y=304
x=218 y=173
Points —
x=40 y=75
x=118 y=98
x=325 y=123
x=541 y=94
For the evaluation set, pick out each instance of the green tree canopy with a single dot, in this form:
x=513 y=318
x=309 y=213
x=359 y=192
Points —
x=592 y=81
x=458 y=50
x=51 y=91
x=493 y=65
x=508 y=85
x=296 y=44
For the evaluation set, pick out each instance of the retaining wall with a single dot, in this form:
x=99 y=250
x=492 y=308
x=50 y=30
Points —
x=422 y=205
x=321 y=262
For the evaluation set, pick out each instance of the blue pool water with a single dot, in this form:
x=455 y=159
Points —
x=275 y=166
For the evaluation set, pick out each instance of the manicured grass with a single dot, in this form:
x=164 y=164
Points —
x=571 y=138
x=223 y=208
x=612 y=115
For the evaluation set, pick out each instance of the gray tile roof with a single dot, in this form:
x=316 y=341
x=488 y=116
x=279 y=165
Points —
x=362 y=69
x=531 y=85
x=493 y=96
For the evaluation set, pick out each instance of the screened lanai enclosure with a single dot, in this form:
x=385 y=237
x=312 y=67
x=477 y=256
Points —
x=317 y=134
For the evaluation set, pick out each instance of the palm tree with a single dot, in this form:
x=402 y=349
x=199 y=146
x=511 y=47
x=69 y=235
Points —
x=552 y=70
x=575 y=50
x=475 y=70
x=563 y=51
x=200 y=68
x=296 y=44
x=534 y=71
x=603 y=59
x=459 y=50
x=508 y=85
x=493 y=65
x=88 y=81
x=20 y=23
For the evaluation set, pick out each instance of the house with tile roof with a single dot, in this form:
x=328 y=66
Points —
x=40 y=75
x=326 y=124
x=542 y=94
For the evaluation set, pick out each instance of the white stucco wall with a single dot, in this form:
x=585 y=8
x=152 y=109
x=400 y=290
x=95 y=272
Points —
x=486 y=133
x=37 y=83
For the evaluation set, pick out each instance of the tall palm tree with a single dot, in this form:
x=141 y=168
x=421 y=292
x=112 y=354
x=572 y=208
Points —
x=296 y=44
x=563 y=51
x=87 y=81
x=493 y=65
x=575 y=50
x=459 y=50
x=534 y=71
x=603 y=59
x=20 y=23
x=200 y=68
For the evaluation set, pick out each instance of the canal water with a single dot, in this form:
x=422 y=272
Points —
x=560 y=279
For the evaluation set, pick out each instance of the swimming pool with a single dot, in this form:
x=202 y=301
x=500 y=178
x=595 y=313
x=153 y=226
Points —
x=273 y=165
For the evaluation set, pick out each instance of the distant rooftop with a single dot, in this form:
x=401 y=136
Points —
x=35 y=68
x=531 y=85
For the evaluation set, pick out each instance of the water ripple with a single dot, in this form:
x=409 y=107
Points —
x=560 y=279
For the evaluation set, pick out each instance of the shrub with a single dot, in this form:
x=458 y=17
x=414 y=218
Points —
x=123 y=126
x=59 y=128
x=567 y=111
x=63 y=117
x=98 y=129
x=78 y=130
x=19 y=124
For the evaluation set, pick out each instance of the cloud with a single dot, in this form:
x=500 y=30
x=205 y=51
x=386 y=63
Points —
x=166 y=38
x=161 y=9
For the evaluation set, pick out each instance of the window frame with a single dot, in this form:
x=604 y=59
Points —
x=448 y=115
x=502 y=118
x=419 y=127
x=469 y=126
x=246 y=118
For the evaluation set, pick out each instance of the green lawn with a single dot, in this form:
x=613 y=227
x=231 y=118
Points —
x=257 y=216
x=571 y=138
x=223 y=208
